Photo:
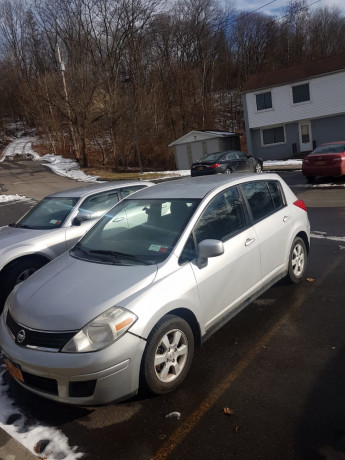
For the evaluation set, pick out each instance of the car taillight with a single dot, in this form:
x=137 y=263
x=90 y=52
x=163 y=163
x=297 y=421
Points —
x=300 y=204
x=214 y=166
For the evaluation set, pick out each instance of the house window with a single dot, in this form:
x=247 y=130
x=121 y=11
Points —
x=264 y=101
x=300 y=93
x=273 y=135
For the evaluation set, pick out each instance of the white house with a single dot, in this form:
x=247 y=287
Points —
x=290 y=111
x=195 y=144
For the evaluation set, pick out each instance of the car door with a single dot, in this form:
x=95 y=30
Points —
x=272 y=223
x=231 y=161
x=230 y=278
x=244 y=164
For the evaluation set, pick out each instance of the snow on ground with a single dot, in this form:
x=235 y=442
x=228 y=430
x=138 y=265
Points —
x=49 y=442
x=292 y=162
x=8 y=198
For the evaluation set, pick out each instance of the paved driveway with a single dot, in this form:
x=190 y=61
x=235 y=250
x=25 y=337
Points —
x=18 y=177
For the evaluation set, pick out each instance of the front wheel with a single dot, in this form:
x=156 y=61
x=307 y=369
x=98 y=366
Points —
x=15 y=273
x=297 y=260
x=168 y=354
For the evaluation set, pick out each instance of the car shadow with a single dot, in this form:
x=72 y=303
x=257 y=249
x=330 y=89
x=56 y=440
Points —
x=320 y=432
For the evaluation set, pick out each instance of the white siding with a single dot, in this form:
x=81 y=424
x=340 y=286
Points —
x=327 y=97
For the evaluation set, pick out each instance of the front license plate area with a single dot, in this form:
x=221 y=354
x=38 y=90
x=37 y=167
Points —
x=14 y=369
x=320 y=163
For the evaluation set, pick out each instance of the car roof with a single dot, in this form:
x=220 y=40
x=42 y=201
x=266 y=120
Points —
x=198 y=187
x=85 y=190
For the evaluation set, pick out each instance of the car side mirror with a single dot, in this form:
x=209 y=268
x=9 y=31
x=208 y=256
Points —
x=206 y=249
x=81 y=217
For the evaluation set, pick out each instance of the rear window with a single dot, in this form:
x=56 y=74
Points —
x=330 y=148
x=264 y=198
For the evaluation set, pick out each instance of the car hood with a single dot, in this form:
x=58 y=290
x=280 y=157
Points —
x=68 y=293
x=10 y=236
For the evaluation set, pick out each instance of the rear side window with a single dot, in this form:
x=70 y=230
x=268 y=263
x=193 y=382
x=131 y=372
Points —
x=98 y=204
x=129 y=190
x=276 y=194
x=263 y=198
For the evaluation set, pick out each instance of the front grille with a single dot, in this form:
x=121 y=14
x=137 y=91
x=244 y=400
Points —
x=40 y=383
x=34 y=338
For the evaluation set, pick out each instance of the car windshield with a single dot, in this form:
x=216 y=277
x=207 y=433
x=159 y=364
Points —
x=212 y=156
x=136 y=232
x=330 y=148
x=49 y=213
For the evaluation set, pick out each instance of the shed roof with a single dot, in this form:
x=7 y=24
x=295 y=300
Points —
x=295 y=73
x=201 y=135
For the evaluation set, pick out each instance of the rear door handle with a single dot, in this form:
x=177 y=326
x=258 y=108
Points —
x=249 y=241
x=286 y=218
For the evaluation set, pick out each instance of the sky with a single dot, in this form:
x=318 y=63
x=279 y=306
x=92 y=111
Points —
x=276 y=7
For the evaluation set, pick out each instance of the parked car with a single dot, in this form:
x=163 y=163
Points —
x=52 y=226
x=326 y=160
x=152 y=279
x=226 y=163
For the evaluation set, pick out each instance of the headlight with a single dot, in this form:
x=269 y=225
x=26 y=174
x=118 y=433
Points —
x=101 y=331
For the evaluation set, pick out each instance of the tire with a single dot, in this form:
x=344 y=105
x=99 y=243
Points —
x=310 y=179
x=15 y=273
x=258 y=168
x=297 y=260
x=227 y=171
x=168 y=355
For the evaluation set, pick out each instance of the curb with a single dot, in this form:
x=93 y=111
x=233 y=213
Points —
x=11 y=449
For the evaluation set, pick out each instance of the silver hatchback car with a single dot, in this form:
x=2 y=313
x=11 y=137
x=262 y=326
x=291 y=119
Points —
x=54 y=225
x=157 y=275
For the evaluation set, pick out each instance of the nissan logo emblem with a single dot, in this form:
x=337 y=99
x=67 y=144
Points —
x=21 y=336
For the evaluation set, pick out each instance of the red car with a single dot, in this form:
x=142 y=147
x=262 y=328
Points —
x=326 y=160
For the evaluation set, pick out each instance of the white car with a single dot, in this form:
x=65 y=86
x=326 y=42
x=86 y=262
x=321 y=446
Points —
x=152 y=279
x=52 y=226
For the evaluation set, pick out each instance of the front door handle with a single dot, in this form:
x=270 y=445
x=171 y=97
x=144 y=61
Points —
x=249 y=241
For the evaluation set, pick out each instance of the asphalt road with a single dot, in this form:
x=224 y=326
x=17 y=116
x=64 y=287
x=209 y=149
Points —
x=278 y=366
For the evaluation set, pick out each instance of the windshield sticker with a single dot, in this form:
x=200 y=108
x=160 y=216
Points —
x=158 y=248
x=55 y=222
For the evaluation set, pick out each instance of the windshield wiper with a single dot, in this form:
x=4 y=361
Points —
x=31 y=227
x=77 y=247
x=119 y=255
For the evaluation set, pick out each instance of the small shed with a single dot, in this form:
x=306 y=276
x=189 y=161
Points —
x=192 y=146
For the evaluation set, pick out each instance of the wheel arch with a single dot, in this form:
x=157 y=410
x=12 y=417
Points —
x=190 y=318
x=305 y=239
x=36 y=257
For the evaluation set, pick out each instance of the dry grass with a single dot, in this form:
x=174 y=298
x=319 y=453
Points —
x=105 y=174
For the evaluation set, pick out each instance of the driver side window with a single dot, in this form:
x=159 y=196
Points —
x=223 y=218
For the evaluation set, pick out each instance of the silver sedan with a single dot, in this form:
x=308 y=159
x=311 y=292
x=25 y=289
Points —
x=52 y=226
x=157 y=275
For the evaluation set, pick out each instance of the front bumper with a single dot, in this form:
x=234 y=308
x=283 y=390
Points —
x=100 y=377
